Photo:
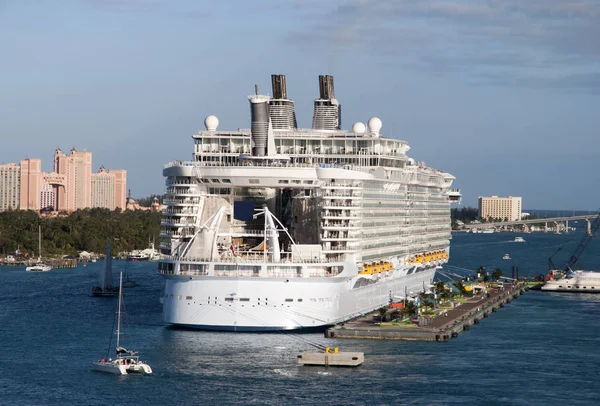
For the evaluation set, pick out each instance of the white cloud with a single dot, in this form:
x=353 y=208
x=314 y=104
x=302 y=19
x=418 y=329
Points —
x=507 y=39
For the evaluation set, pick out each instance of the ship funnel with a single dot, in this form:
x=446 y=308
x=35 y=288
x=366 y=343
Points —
x=281 y=109
x=259 y=113
x=328 y=112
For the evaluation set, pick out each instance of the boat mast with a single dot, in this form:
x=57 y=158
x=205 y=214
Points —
x=40 y=243
x=119 y=310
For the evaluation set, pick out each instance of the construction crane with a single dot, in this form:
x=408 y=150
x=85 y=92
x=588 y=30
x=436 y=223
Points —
x=581 y=247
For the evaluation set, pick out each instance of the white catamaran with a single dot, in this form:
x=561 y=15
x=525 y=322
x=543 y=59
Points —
x=125 y=361
x=40 y=266
x=280 y=228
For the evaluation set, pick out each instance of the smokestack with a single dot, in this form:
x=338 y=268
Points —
x=281 y=109
x=279 y=86
x=259 y=113
x=328 y=111
x=326 y=87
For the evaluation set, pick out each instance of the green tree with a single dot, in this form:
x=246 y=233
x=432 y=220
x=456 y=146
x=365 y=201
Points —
x=461 y=287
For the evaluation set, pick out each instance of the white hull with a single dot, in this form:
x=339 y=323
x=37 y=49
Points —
x=263 y=304
x=580 y=282
x=114 y=367
x=39 y=268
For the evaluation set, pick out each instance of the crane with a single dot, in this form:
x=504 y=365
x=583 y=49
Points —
x=581 y=247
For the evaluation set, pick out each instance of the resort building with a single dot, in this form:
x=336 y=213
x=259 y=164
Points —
x=71 y=185
x=503 y=208
x=10 y=186
x=108 y=188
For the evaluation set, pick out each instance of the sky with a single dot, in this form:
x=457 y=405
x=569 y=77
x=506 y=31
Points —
x=503 y=94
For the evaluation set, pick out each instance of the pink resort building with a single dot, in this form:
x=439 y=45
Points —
x=71 y=185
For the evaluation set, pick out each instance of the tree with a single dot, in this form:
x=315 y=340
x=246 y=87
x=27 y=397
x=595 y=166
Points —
x=409 y=309
x=461 y=288
x=497 y=274
x=382 y=312
x=480 y=272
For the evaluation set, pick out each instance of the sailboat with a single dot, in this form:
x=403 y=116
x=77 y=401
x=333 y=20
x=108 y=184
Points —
x=39 y=266
x=129 y=283
x=125 y=361
x=106 y=288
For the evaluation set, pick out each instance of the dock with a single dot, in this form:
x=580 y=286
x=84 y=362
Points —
x=444 y=326
x=334 y=359
x=54 y=262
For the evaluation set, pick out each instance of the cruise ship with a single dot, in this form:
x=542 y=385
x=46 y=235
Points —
x=280 y=228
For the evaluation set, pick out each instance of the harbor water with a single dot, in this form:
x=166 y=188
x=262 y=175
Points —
x=543 y=348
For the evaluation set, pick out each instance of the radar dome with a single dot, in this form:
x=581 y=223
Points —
x=359 y=128
x=374 y=125
x=211 y=123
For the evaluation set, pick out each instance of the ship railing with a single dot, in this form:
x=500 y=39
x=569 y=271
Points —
x=257 y=259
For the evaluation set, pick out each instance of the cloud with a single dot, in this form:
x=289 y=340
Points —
x=517 y=40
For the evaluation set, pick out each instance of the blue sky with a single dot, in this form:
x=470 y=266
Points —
x=504 y=94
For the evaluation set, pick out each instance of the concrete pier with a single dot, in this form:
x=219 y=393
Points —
x=334 y=359
x=443 y=327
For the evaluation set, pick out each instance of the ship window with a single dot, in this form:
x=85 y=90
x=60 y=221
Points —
x=229 y=299
x=284 y=181
x=289 y=300
x=188 y=298
x=244 y=299
x=308 y=182
x=299 y=300
x=585 y=287
x=560 y=286
x=215 y=181
x=297 y=181
x=226 y=180
x=253 y=181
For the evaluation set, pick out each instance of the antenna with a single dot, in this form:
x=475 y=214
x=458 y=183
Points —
x=256 y=90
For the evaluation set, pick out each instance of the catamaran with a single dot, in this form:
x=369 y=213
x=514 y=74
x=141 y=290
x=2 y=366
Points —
x=40 y=266
x=125 y=361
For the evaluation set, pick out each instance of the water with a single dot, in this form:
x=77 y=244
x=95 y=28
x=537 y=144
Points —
x=542 y=348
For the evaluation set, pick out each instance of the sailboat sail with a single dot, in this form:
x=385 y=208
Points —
x=106 y=279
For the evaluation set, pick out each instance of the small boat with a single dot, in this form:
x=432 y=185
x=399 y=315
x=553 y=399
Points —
x=106 y=288
x=506 y=256
x=129 y=283
x=125 y=361
x=519 y=239
x=40 y=266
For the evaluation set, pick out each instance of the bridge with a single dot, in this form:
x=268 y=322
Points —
x=557 y=223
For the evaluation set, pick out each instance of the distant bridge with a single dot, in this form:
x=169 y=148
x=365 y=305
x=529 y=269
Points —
x=556 y=221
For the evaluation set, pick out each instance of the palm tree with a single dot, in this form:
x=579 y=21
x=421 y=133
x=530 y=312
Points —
x=382 y=312
x=409 y=309
x=461 y=288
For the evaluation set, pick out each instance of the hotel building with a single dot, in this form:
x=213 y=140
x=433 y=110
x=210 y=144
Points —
x=500 y=208
x=71 y=185
x=10 y=186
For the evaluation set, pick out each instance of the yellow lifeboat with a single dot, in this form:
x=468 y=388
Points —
x=368 y=269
